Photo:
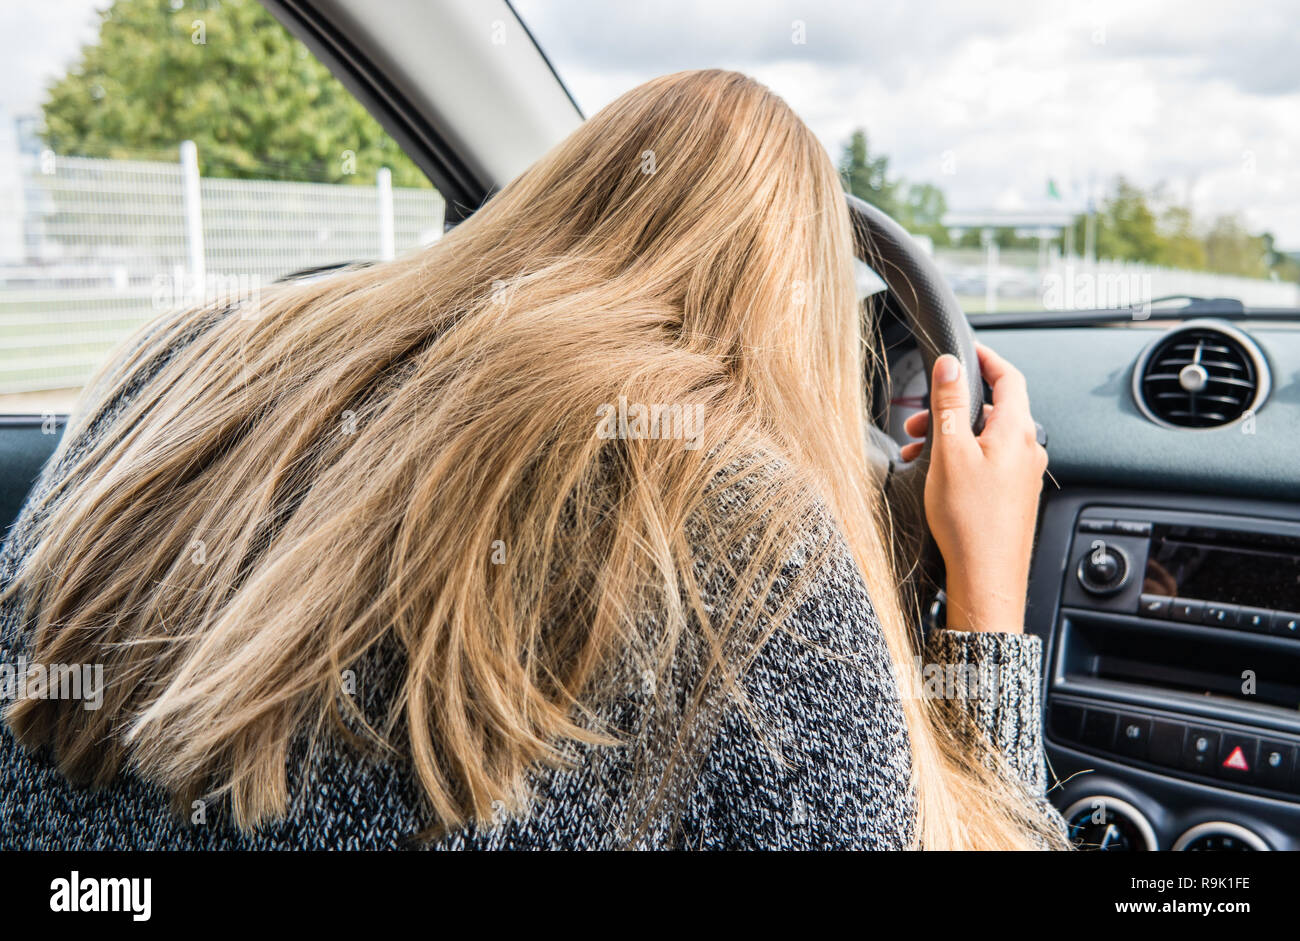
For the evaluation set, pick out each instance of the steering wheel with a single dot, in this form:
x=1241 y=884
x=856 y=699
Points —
x=936 y=321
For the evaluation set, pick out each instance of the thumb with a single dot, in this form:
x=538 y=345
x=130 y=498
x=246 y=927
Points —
x=949 y=401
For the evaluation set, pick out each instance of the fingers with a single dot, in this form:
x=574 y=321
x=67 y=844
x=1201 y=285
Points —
x=918 y=426
x=918 y=423
x=950 y=405
x=1007 y=382
x=1010 y=395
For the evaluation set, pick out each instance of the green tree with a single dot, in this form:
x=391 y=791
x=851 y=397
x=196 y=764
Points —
x=1125 y=226
x=1181 y=247
x=1133 y=225
x=866 y=175
x=226 y=75
x=1230 y=249
x=922 y=211
x=1003 y=236
x=1285 y=266
x=918 y=207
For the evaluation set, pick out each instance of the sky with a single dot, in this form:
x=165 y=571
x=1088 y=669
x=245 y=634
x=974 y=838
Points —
x=989 y=99
x=38 y=39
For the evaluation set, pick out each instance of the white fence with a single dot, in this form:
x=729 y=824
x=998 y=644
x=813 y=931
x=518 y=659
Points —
x=1073 y=283
x=91 y=249
x=1024 y=280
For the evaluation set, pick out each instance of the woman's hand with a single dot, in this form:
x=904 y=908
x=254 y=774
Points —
x=981 y=493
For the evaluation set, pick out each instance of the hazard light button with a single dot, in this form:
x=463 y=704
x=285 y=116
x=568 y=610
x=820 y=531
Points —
x=1238 y=757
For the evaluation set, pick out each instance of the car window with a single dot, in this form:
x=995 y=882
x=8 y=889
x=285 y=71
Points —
x=159 y=154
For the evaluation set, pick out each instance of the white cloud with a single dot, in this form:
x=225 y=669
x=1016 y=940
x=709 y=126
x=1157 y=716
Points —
x=1202 y=98
x=38 y=41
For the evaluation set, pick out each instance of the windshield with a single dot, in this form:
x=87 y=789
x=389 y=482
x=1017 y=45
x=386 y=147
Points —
x=1052 y=156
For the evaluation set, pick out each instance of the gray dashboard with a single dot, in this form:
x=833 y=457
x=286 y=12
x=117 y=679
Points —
x=1105 y=658
x=1079 y=385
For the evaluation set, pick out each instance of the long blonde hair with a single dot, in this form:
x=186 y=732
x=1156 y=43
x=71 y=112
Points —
x=406 y=454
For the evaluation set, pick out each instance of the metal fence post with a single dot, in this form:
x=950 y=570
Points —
x=193 y=214
x=384 y=186
x=990 y=270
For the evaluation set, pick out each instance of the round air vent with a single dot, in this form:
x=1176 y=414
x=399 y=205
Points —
x=1220 y=836
x=1107 y=823
x=1201 y=375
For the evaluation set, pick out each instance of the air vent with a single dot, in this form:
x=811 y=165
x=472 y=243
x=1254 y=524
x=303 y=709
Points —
x=1201 y=375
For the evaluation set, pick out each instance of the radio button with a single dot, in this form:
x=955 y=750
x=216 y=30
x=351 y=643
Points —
x=1096 y=526
x=1166 y=747
x=1155 y=606
x=1184 y=609
x=1201 y=750
x=1257 y=620
x=1133 y=528
x=1099 y=728
x=1103 y=570
x=1286 y=624
x=1276 y=759
x=1065 y=721
x=1133 y=737
x=1220 y=615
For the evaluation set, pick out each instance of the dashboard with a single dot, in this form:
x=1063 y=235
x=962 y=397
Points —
x=1165 y=581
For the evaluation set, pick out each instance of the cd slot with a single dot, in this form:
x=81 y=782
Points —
x=1189 y=659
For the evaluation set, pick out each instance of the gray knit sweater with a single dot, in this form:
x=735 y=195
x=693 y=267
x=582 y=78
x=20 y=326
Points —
x=820 y=759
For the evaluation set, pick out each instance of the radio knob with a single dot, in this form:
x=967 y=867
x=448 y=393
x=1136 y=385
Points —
x=1104 y=569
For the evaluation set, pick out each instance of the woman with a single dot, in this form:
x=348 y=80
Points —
x=558 y=533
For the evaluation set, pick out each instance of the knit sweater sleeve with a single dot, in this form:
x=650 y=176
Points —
x=1000 y=709
x=991 y=687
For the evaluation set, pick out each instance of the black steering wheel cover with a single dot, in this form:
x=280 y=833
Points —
x=936 y=321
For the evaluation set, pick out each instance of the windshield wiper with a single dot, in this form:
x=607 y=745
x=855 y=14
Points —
x=1214 y=306
x=1227 y=308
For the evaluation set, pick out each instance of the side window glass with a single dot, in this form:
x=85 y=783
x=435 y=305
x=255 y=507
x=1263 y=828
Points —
x=170 y=153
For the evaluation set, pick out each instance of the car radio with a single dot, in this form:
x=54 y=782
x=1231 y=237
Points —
x=1177 y=651
x=1243 y=578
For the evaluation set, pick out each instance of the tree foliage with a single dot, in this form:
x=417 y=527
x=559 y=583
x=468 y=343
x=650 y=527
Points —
x=1126 y=227
x=1131 y=224
x=866 y=175
x=1136 y=225
x=226 y=75
x=920 y=208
